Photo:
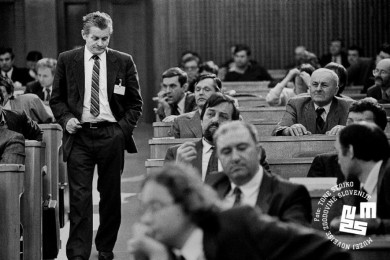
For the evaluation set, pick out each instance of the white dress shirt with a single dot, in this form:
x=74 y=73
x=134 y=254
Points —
x=327 y=108
x=250 y=191
x=206 y=154
x=372 y=182
x=104 y=106
x=180 y=105
x=9 y=73
x=45 y=93
x=193 y=247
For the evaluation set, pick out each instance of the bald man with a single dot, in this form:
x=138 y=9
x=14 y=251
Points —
x=319 y=113
x=381 y=90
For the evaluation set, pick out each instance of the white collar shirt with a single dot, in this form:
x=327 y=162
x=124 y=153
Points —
x=193 y=247
x=327 y=108
x=250 y=191
x=371 y=183
x=104 y=107
x=180 y=105
x=7 y=74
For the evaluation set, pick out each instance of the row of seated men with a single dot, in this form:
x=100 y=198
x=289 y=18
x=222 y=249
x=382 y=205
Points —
x=215 y=108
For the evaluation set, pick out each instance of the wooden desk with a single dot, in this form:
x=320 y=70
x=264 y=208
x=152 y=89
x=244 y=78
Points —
x=277 y=74
x=160 y=129
x=356 y=96
x=31 y=200
x=11 y=186
x=352 y=90
x=276 y=147
x=251 y=101
x=264 y=113
x=244 y=87
x=286 y=168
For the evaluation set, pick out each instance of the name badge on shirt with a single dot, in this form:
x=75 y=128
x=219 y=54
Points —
x=119 y=89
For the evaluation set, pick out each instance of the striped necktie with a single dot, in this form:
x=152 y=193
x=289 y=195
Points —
x=95 y=110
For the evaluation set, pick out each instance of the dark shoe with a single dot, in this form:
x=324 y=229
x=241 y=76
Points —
x=106 y=256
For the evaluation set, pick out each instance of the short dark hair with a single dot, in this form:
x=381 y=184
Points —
x=242 y=47
x=34 y=56
x=218 y=98
x=4 y=50
x=369 y=142
x=97 y=19
x=176 y=71
x=214 y=77
x=385 y=47
x=306 y=67
x=341 y=72
x=185 y=186
x=380 y=117
x=191 y=58
x=207 y=67
x=356 y=48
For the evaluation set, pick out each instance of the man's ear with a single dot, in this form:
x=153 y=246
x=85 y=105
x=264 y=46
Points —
x=350 y=152
x=83 y=34
x=259 y=150
x=185 y=87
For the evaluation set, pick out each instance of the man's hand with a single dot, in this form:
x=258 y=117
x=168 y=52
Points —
x=186 y=152
x=170 y=118
x=296 y=130
x=162 y=102
x=335 y=130
x=305 y=77
x=293 y=73
x=143 y=246
x=73 y=125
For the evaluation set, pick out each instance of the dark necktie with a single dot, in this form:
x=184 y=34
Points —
x=237 y=196
x=95 y=110
x=213 y=162
x=175 y=110
x=48 y=94
x=319 y=121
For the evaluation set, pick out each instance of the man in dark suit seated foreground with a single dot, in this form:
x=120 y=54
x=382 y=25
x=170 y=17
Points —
x=319 y=113
x=364 y=153
x=11 y=147
x=245 y=182
x=173 y=99
x=326 y=165
x=183 y=219
x=188 y=125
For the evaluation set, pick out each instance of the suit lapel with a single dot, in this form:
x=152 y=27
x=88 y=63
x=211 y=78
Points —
x=112 y=71
x=310 y=116
x=194 y=124
x=332 y=118
x=78 y=71
x=265 y=193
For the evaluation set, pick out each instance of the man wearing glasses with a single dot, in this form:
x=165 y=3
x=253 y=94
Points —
x=381 y=90
x=319 y=113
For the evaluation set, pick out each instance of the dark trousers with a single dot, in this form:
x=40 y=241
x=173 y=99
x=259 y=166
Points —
x=103 y=147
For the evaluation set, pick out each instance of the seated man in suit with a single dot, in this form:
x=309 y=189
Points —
x=381 y=90
x=201 y=154
x=19 y=76
x=336 y=54
x=326 y=165
x=46 y=69
x=29 y=103
x=364 y=152
x=245 y=182
x=319 y=113
x=172 y=99
x=11 y=147
x=189 y=125
x=183 y=219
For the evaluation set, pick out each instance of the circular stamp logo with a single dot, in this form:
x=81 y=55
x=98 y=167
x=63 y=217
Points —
x=355 y=211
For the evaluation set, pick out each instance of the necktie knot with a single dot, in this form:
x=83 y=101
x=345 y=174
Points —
x=95 y=57
x=320 y=111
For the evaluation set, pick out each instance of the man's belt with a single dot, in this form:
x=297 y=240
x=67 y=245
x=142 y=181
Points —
x=97 y=124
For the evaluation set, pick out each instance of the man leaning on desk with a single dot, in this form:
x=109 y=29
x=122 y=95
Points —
x=319 y=113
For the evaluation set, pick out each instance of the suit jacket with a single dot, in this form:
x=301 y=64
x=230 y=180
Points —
x=326 y=165
x=171 y=154
x=32 y=106
x=383 y=198
x=245 y=233
x=189 y=106
x=11 y=147
x=301 y=110
x=325 y=59
x=21 y=123
x=35 y=88
x=68 y=93
x=187 y=125
x=376 y=92
x=21 y=75
x=277 y=197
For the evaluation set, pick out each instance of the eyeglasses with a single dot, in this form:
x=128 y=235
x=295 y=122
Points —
x=377 y=72
x=155 y=207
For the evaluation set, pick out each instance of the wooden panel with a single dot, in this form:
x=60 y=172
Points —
x=73 y=24
x=265 y=113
